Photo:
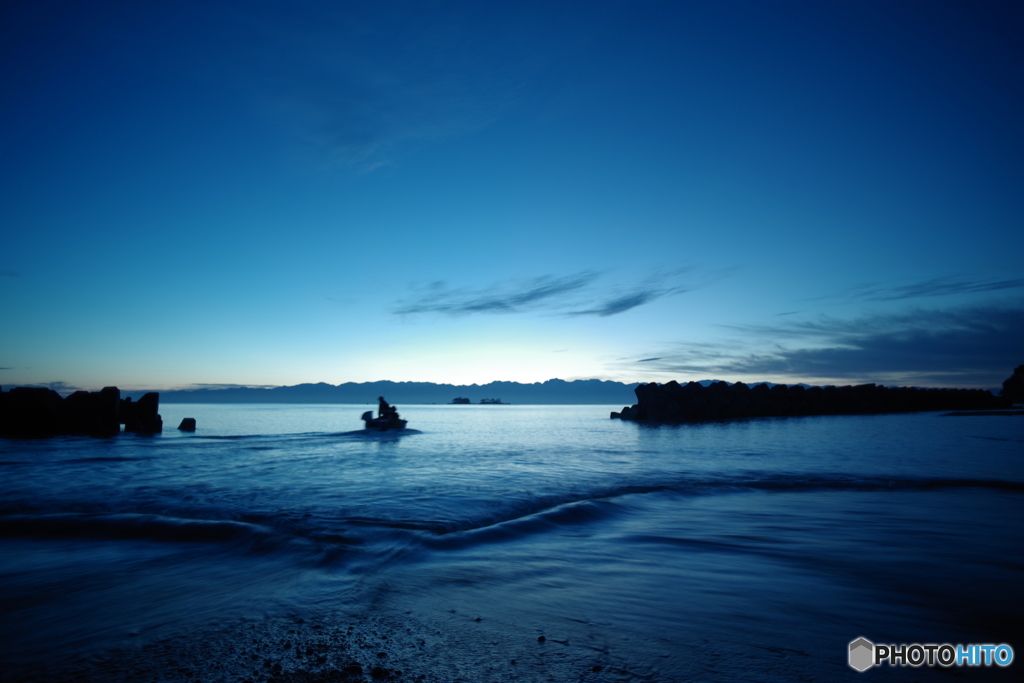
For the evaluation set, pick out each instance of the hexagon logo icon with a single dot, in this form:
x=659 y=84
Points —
x=862 y=654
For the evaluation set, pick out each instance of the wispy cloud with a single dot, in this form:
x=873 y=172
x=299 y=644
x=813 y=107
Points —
x=620 y=303
x=354 y=121
x=940 y=286
x=971 y=346
x=513 y=296
x=571 y=295
x=356 y=84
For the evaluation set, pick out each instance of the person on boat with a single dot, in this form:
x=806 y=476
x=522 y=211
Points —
x=384 y=410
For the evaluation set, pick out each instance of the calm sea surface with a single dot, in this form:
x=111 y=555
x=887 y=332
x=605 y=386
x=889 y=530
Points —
x=285 y=543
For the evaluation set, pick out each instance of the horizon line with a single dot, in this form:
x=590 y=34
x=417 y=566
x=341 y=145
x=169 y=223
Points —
x=65 y=389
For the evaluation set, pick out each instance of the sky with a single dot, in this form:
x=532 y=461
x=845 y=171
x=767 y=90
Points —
x=268 y=193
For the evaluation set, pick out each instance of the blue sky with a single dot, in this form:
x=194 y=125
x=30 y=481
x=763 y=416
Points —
x=267 y=193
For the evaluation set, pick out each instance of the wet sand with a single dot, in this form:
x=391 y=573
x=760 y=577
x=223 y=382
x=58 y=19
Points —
x=367 y=648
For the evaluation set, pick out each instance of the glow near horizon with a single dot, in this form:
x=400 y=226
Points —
x=268 y=195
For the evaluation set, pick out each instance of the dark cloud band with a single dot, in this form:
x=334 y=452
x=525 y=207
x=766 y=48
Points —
x=940 y=286
x=962 y=347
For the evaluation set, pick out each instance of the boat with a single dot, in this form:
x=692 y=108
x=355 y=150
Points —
x=382 y=424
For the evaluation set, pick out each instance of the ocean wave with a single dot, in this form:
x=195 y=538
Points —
x=554 y=512
x=232 y=437
x=303 y=435
x=559 y=517
x=803 y=482
x=404 y=524
x=517 y=516
x=372 y=434
x=128 y=526
x=857 y=483
x=104 y=459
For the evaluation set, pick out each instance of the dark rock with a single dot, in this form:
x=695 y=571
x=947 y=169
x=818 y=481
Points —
x=143 y=416
x=1013 y=387
x=91 y=414
x=188 y=424
x=672 y=402
x=379 y=672
x=541 y=639
x=108 y=401
x=41 y=412
x=30 y=412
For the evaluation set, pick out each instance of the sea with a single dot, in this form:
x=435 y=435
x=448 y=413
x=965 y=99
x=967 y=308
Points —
x=510 y=543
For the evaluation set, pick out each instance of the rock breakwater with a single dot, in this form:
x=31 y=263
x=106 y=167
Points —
x=1013 y=387
x=41 y=412
x=693 y=402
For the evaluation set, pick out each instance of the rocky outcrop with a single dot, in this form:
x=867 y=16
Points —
x=91 y=413
x=40 y=412
x=188 y=424
x=142 y=416
x=1013 y=387
x=692 y=402
x=30 y=411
